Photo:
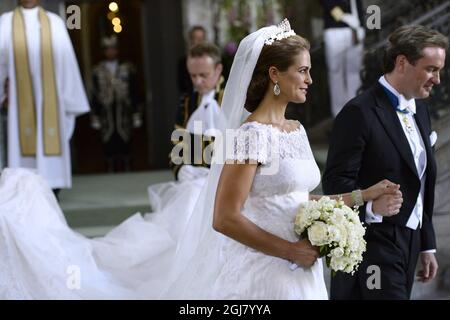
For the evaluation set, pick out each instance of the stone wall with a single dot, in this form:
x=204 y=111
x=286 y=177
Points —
x=441 y=219
x=442 y=151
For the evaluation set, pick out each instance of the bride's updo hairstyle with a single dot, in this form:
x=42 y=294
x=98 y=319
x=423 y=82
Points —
x=280 y=54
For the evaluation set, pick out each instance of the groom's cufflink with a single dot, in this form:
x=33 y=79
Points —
x=433 y=138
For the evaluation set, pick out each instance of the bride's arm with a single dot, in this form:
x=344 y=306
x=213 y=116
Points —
x=371 y=193
x=234 y=186
x=346 y=197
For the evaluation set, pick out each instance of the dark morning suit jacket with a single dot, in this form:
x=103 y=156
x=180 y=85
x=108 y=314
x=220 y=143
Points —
x=368 y=144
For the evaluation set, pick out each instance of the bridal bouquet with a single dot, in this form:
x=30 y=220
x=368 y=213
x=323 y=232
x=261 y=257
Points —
x=335 y=229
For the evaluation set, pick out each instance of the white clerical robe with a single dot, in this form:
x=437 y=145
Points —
x=72 y=99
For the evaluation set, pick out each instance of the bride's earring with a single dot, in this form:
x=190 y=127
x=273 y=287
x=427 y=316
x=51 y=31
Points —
x=276 y=89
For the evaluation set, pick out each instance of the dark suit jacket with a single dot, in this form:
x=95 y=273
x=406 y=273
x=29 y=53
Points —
x=368 y=145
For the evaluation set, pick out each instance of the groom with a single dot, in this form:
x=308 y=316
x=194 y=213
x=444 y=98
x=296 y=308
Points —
x=385 y=133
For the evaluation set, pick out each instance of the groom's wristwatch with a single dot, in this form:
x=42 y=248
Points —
x=357 y=198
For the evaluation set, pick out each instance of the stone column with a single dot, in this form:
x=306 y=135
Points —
x=163 y=47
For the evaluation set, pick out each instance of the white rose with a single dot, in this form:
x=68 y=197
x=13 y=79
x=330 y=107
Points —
x=337 y=252
x=338 y=263
x=318 y=233
x=315 y=214
x=301 y=221
x=338 y=217
x=334 y=234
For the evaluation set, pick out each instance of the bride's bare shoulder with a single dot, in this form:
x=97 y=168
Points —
x=294 y=125
x=251 y=118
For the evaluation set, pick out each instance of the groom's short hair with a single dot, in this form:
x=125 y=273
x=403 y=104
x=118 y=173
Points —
x=410 y=42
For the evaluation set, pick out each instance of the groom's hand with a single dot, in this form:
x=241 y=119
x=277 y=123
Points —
x=388 y=204
x=429 y=267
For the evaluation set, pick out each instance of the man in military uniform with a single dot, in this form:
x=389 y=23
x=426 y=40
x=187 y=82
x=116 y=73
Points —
x=344 y=39
x=201 y=106
x=115 y=105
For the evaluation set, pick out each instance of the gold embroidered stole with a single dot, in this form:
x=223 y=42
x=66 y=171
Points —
x=24 y=87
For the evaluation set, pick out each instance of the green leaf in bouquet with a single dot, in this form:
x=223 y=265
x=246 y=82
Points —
x=324 y=250
x=304 y=235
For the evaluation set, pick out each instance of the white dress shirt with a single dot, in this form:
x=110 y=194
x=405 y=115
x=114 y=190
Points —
x=205 y=119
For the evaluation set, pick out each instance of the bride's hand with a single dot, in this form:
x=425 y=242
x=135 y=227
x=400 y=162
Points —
x=383 y=187
x=303 y=253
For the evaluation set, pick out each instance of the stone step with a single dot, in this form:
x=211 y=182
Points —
x=94 y=232
x=107 y=216
x=108 y=199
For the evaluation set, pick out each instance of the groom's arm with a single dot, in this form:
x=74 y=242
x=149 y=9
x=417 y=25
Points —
x=427 y=234
x=348 y=140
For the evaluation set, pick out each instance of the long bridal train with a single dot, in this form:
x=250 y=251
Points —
x=42 y=258
x=173 y=253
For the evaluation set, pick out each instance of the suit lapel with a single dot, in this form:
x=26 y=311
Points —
x=391 y=123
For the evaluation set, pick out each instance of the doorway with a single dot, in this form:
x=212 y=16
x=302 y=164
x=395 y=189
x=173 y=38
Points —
x=97 y=22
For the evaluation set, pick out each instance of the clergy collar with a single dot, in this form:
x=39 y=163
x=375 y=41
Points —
x=403 y=103
x=31 y=11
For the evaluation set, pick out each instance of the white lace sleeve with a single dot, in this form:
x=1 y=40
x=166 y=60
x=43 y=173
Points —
x=251 y=142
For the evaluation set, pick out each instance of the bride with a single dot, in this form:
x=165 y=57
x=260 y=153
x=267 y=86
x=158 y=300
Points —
x=237 y=243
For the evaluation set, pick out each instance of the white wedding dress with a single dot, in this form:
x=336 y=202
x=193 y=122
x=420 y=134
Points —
x=173 y=253
x=272 y=204
x=42 y=258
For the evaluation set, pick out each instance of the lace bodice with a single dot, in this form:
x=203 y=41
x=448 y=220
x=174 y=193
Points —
x=286 y=162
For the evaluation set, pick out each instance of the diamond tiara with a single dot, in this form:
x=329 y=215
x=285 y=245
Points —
x=283 y=31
